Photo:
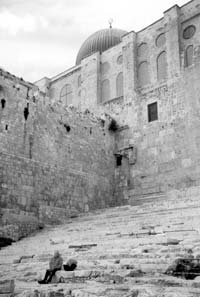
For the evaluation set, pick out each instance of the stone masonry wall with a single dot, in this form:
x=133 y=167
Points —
x=55 y=163
x=71 y=78
x=167 y=149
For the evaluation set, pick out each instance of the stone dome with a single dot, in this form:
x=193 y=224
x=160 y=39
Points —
x=99 y=41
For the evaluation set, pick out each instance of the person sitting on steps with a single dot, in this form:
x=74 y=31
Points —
x=55 y=264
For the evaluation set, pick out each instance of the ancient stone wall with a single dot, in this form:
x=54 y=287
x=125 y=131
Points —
x=53 y=161
x=168 y=148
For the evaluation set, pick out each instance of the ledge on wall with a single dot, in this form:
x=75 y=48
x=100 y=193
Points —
x=117 y=99
x=121 y=128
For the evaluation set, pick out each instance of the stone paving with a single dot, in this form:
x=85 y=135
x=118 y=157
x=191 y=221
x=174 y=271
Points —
x=131 y=247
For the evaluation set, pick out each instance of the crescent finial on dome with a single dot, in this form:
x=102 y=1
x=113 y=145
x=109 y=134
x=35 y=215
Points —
x=110 y=21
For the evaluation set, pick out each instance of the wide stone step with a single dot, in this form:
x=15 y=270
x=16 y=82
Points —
x=137 y=200
x=6 y=287
x=124 y=240
x=157 y=202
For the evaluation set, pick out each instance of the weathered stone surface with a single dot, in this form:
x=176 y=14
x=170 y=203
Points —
x=17 y=226
x=82 y=273
x=135 y=273
x=7 y=286
x=97 y=273
x=48 y=171
x=65 y=274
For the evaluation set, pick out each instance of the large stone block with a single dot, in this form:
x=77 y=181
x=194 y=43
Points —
x=7 y=286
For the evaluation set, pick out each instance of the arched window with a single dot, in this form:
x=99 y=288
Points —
x=119 y=85
x=52 y=92
x=160 y=40
x=189 y=56
x=120 y=60
x=105 y=68
x=105 y=90
x=143 y=73
x=66 y=94
x=142 y=49
x=162 y=66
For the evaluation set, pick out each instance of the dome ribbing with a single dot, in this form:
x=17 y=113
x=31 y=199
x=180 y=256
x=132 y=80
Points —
x=99 y=41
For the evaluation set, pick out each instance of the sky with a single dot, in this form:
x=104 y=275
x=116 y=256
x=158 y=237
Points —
x=42 y=37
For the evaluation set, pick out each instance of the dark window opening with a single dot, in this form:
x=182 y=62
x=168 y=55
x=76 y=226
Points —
x=113 y=126
x=6 y=127
x=67 y=127
x=118 y=160
x=3 y=103
x=26 y=112
x=90 y=130
x=102 y=123
x=152 y=112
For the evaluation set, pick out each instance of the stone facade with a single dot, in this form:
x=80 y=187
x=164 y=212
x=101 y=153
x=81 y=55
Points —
x=59 y=154
x=57 y=161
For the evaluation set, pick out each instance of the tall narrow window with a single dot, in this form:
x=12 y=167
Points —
x=119 y=85
x=142 y=49
x=105 y=90
x=152 y=112
x=162 y=66
x=160 y=40
x=143 y=73
x=66 y=94
x=79 y=80
x=2 y=97
x=120 y=60
x=118 y=160
x=105 y=67
x=189 y=56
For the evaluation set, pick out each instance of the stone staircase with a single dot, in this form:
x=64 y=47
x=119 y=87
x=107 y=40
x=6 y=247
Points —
x=122 y=251
x=146 y=198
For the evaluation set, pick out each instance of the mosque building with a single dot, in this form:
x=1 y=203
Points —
x=121 y=124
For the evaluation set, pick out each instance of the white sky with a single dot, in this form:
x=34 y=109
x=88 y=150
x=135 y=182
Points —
x=42 y=37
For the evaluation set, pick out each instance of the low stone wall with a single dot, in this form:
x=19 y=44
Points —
x=17 y=226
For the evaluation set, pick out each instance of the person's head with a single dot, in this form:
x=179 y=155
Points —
x=56 y=254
